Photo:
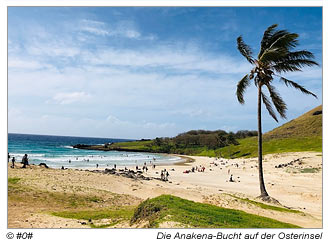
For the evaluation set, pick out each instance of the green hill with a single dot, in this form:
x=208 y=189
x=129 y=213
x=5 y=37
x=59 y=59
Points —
x=307 y=125
x=301 y=134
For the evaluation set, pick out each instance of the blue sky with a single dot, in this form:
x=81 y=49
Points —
x=146 y=72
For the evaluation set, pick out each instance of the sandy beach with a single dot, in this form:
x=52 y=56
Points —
x=296 y=184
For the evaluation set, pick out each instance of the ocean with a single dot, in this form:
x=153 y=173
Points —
x=57 y=151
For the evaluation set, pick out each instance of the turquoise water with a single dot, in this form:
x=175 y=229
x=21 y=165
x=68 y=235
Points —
x=57 y=151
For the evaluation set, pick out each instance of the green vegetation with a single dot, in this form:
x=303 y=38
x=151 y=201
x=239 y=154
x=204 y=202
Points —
x=119 y=213
x=199 y=215
x=19 y=192
x=174 y=209
x=191 y=142
x=266 y=206
x=134 y=145
x=310 y=170
x=301 y=134
x=13 y=180
x=249 y=147
x=114 y=215
x=307 y=125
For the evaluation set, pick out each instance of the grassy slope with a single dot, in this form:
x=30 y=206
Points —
x=199 y=215
x=301 y=134
x=306 y=125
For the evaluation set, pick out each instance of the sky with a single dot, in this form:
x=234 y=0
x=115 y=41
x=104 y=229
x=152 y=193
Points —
x=146 y=72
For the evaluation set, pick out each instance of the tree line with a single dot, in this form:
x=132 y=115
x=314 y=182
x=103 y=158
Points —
x=202 y=138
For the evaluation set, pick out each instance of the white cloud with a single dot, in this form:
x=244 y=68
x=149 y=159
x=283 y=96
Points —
x=150 y=125
x=121 y=29
x=192 y=112
x=13 y=47
x=53 y=49
x=113 y=119
x=25 y=64
x=71 y=97
x=94 y=27
x=14 y=112
x=168 y=58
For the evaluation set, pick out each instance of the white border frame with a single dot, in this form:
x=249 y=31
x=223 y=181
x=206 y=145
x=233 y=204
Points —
x=150 y=234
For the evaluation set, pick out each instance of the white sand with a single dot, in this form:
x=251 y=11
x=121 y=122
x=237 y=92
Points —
x=300 y=191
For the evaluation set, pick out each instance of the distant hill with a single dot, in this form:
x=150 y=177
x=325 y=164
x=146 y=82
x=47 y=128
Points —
x=306 y=125
x=300 y=134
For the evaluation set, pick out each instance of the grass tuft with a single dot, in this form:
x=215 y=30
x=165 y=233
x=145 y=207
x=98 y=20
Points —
x=122 y=213
x=13 y=180
x=310 y=170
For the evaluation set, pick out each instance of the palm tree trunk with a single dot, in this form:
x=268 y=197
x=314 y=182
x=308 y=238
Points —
x=261 y=175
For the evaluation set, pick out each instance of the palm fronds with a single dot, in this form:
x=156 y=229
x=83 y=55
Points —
x=244 y=49
x=276 y=56
x=266 y=38
x=297 y=86
x=268 y=105
x=292 y=65
x=277 y=100
x=241 y=87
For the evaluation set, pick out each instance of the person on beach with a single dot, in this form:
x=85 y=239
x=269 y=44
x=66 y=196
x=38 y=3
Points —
x=13 y=162
x=162 y=175
x=166 y=175
x=25 y=161
x=115 y=166
x=97 y=165
x=231 y=178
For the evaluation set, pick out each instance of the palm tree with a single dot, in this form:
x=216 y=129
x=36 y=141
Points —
x=276 y=56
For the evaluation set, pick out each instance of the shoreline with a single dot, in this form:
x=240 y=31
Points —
x=182 y=160
x=185 y=161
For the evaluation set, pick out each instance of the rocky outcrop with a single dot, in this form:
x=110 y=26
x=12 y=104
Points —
x=44 y=165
